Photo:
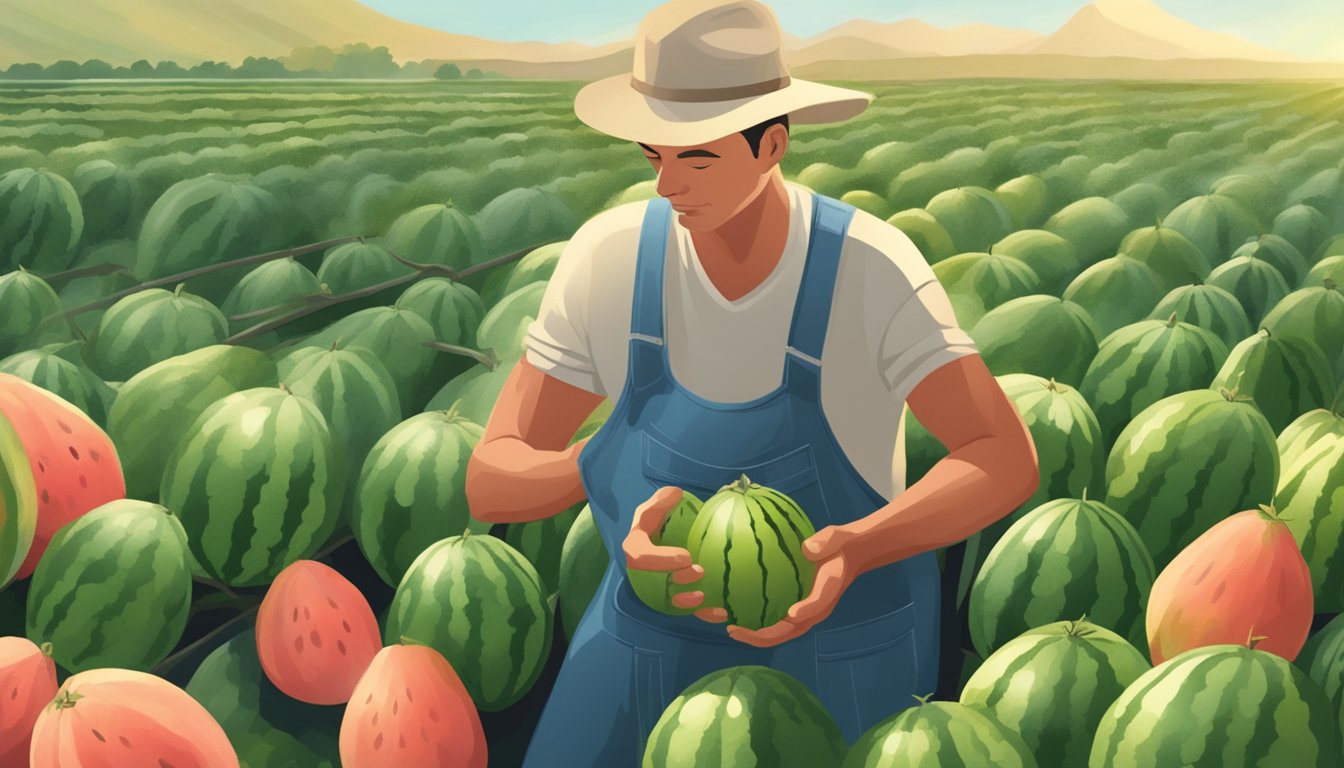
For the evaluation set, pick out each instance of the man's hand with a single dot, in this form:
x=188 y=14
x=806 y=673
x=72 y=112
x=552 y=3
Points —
x=836 y=570
x=643 y=554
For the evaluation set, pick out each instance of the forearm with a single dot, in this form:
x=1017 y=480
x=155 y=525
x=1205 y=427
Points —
x=509 y=481
x=966 y=491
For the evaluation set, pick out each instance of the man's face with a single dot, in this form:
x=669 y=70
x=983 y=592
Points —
x=709 y=183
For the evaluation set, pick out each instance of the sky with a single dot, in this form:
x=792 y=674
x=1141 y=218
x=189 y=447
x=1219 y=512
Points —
x=1308 y=28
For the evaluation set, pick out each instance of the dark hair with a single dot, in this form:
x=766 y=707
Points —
x=755 y=132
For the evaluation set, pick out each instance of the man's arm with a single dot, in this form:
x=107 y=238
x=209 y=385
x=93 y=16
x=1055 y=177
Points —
x=991 y=469
x=521 y=469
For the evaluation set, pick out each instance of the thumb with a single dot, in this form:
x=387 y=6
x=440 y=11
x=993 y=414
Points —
x=826 y=543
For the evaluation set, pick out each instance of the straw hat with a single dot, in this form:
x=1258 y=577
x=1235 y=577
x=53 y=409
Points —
x=705 y=69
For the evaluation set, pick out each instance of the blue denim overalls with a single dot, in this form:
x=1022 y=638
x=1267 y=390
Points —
x=627 y=662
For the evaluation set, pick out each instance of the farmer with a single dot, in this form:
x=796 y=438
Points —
x=743 y=324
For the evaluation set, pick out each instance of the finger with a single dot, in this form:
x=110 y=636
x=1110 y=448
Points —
x=818 y=604
x=774 y=634
x=656 y=557
x=688 y=575
x=824 y=543
x=688 y=599
x=714 y=615
x=649 y=516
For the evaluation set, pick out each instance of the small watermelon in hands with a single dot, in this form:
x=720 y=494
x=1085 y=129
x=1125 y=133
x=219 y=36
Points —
x=1243 y=577
x=316 y=633
x=749 y=541
x=116 y=718
x=73 y=461
x=411 y=708
x=656 y=588
x=27 y=684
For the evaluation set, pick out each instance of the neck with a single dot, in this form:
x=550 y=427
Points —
x=756 y=233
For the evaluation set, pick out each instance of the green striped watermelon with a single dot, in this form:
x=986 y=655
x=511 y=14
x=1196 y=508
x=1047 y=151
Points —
x=1310 y=498
x=113 y=588
x=537 y=266
x=1095 y=226
x=43 y=221
x=1025 y=197
x=504 y=327
x=1064 y=558
x=1170 y=254
x=151 y=326
x=18 y=502
x=1331 y=269
x=412 y=490
x=1068 y=440
x=1115 y=291
x=454 y=311
x=940 y=734
x=58 y=374
x=351 y=267
x=1040 y=335
x=154 y=409
x=973 y=217
x=1308 y=429
x=1188 y=461
x=929 y=236
x=541 y=542
x=207 y=220
x=1217 y=224
x=656 y=588
x=438 y=233
x=1052 y=684
x=1257 y=284
x=275 y=286
x=523 y=217
x=1144 y=362
x=397 y=337
x=978 y=282
x=110 y=199
x=355 y=394
x=1314 y=314
x=25 y=300
x=1206 y=306
x=1219 y=706
x=749 y=541
x=1322 y=658
x=1303 y=226
x=481 y=604
x=1144 y=201
x=746 y=717
x=1280 y=254
x=583 y=561
x=256 y=483
x=1284 y=375
x=1050 y=256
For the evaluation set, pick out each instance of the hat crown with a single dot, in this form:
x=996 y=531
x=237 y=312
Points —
x=685 y=47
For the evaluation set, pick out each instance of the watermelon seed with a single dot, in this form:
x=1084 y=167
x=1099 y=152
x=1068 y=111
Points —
x=98 y=735
x=164 y=763
x=93 y=455
x=74 y=453
x=83 y=482
x=306 y=614
x=403 y=742
x=378 y=742
x=340 y=646
x=434 y=715
x=298 y=644
x=345 y=625
x=125 y=742
x=45 y=498
x=14 y=694
x=296 y=613
x=332 y=603
x=366 y=701
x=66 y=429
x=394 y=706
x=315 y=639
x=41 y=467
x=408 y=695
x=375 y=718
x=424 y=735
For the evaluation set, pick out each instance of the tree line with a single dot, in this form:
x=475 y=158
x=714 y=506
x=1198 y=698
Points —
x=355 y=60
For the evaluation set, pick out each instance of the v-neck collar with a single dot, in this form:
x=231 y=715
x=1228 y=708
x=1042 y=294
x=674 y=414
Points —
x=796 y=215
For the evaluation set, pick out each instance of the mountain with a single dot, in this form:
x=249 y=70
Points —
x=914 y=37
x=191 y=31
x=1140 y=29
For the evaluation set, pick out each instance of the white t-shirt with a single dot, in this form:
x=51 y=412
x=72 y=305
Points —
x=891 y=325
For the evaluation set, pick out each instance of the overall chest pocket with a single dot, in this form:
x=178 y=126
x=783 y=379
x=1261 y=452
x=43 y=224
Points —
x=787 y=473
x=868 y=671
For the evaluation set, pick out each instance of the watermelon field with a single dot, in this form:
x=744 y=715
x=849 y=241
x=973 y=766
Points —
x=251 y=331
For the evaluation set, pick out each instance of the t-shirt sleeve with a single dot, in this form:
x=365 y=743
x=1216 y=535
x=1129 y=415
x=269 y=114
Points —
x=558 y=341
x=923 y=334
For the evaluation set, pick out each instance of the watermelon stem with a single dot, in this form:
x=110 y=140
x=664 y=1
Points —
x=923 y=699
x=741 y=484
x=1329 y=283
x=46 y=648
x=1196 y=278
x=1171 y=321
x=1270 y=512
x=486 y=357
x=1084 y=494
x=1253 y=639
x=406 y=640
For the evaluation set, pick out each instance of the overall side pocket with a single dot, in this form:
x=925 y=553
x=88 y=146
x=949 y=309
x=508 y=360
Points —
x=868 y=671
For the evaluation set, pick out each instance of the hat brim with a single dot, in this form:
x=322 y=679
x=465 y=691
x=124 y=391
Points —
x=613 y=107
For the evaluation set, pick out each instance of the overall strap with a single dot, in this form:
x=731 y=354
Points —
x=812 y=311
x=646 y=316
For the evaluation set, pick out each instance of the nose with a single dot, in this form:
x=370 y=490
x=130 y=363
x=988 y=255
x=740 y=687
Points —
x=670 y=184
